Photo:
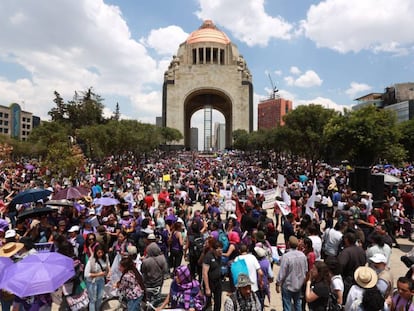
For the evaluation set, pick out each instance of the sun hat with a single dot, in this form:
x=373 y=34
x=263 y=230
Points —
x=10 y=249
x=365 y=277
x=243 y=280
x=260 y=252
x=125 y=214
x=377 y=258
x=151 y=237
x=11 y=233
x=132 y=250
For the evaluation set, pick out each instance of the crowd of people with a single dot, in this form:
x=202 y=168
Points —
x=206 y=223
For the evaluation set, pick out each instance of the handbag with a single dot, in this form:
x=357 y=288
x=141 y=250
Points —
x=238 y=266
x=77 y=302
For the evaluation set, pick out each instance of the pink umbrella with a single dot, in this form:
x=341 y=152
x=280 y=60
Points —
x=71 y=193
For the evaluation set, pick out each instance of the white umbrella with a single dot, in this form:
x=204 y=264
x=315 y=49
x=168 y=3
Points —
x=390 y=179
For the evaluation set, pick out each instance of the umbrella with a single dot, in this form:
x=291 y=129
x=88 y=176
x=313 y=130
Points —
x=105 y=201
x=71 y=193
x=63 y=202
x=30 y=195
x=5 y=262
x=29 y=167
x=390 y=179
x=4 y=224
x=36 y=274
x=35 y=211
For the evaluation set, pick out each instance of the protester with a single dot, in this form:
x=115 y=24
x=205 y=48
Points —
x=243 y=298
x=212 y=273
x=131 y=285
x=291 y=276
x=96 y=271
x=184 y=292
x=317 y=287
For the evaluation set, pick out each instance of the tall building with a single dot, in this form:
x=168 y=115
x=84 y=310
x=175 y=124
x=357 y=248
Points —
x=398 y=98
x=219 y=136
x=270 y=112
x=194 y=138
x=16 y=123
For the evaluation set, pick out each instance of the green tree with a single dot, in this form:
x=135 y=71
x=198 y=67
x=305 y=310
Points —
x=304 y=128
x=169 y=135
x=117 y=114
x=365 y=136
x=85 y=109
x=407 y=138
x=59 y=113
x=240 y=139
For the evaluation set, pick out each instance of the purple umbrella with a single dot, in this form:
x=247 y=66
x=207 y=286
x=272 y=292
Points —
x=29 y=167
x=4 y=224
x=5 y=262
x=105 y=201
x=36 y=274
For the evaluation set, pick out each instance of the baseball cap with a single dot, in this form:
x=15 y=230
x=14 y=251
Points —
x=74 y=229
x=11 y=233
x=377 y=258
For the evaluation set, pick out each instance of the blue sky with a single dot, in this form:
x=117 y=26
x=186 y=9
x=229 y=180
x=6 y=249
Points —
x=325 y=52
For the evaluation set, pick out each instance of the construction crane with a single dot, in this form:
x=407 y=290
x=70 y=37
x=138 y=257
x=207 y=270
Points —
x=274 y=88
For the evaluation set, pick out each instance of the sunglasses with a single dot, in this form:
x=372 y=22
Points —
x=91 y=239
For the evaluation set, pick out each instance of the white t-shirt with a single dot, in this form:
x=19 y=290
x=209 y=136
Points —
x=317 y=246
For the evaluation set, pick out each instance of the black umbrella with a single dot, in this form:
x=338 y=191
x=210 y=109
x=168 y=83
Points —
x=30 y=195
x=35 y=211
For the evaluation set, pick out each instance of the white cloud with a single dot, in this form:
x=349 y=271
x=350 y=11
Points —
x=309 y=79
x=355 y=25
x=295 y=70
x=67 y=54
x=246 y=19
x=357 y=88
x=278 y=72
x=165 y=40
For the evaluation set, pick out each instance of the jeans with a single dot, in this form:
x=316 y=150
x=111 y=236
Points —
x=288 y=296
x=134 y=304
x=95 y=292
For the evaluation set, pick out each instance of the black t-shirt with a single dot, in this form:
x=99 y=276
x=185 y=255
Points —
x=214 y=273
x=321 y=289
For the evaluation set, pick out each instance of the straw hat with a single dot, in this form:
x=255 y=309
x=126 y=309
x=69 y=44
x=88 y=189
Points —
x=11 y=248
x=261 y=252
x=365 y=277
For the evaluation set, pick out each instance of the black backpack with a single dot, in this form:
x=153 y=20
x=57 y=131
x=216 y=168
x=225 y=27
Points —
x=333 y=302
x=196 y=245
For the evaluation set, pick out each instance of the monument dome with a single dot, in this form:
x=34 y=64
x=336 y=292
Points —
x=208 y=32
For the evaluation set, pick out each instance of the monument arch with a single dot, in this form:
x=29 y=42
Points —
x=208 y=72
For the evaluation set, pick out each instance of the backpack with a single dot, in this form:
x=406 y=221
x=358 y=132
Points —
x=196 y=245
x=224 y=239
x=333 y=302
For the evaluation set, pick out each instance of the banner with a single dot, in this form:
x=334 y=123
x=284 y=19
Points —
x=270 y=198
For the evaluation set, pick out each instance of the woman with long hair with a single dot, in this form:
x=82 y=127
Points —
x=96 y=270
x=131 y=285
x=89 y=246
x=317 y=287
x=176 y=243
